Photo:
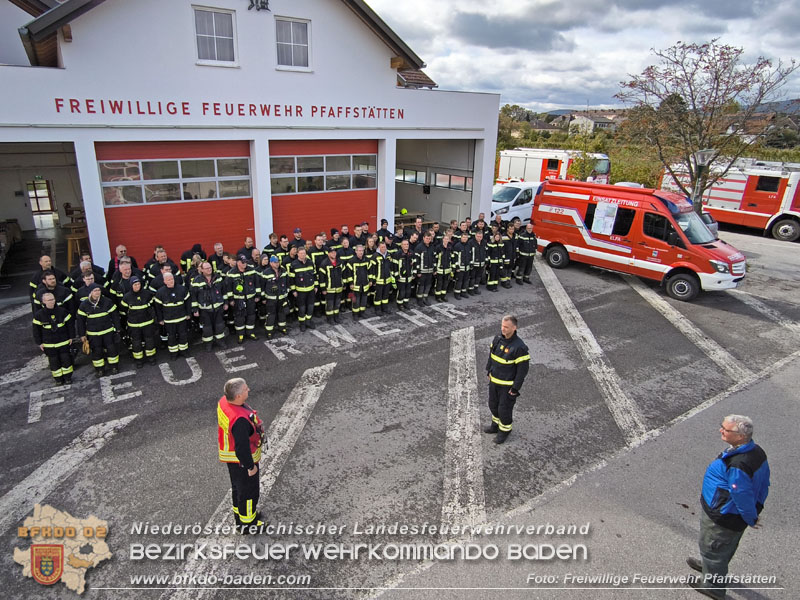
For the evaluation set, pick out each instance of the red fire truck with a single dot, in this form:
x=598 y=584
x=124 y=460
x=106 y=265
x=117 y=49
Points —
x=540 y=164
x=754 y=193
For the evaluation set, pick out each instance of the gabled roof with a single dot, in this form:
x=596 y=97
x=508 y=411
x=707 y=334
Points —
x=414 y=78
x=40 y=41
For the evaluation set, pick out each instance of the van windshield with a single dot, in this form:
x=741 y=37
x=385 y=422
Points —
x=504 y=193
x=602 y=166
x=693 y=228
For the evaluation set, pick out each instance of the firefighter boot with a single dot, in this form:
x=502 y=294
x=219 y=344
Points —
x=493 y=428
x=337 y=318
x=68 y=378
x=501 y=437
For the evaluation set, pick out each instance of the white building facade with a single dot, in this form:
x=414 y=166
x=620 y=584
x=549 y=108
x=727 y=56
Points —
x=177 y=122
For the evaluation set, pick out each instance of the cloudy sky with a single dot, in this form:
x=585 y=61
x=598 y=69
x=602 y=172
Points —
x=551 y=54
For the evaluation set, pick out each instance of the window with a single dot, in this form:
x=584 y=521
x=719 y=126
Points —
x=215 y=31
x=523 y=198
x=657 y=226
x=151 y=181
x=623 y=222
x=292 y=40
x=332 y=173
x=453 y=182
x=552 y=164
x=768 y=184
x=410 y=176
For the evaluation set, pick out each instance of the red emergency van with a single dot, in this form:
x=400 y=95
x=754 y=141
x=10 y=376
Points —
x=650 y=233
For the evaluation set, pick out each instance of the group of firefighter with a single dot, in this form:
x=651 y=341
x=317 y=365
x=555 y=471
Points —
x=290 y=279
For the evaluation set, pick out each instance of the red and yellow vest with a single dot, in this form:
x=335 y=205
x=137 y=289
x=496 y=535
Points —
x=227 y=415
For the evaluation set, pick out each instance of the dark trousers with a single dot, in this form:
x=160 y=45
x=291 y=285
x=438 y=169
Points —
x=524 y=267
x=213 y=322
x=403 y=292
x=305 y=305
x=360 y=301
x=493 y=275
x=717 y=546
x=442 y=281
x=424 y=283
x=382 y=293
x=60 y=360
x=177 y=336
x=104 y=347
x=333 y=301
x=475 y=276
x=461 y=279
x=505 y=271
x=143 y=341
x=501 y=405
x=245 y=491
x=276 y=314
x=244 y=315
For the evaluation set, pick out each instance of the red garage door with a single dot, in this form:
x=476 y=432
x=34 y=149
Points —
x=320 y=184
x=176 y=194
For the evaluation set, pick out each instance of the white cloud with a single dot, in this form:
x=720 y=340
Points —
x=546 y=54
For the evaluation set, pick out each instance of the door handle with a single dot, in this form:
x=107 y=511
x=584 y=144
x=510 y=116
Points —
x=643 y=243
x=752 y=204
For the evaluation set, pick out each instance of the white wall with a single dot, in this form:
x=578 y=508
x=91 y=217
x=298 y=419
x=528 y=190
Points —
x=11 y=19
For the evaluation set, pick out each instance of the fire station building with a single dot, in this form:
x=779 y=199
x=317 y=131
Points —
x=186 y=122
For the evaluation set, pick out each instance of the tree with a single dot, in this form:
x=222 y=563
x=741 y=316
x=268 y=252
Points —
x=700 y=96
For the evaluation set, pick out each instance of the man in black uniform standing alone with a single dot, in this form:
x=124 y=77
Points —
x=240 y=437
x=507 y=367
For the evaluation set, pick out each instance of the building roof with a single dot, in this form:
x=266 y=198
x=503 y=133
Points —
x=41 y=44
x=414 y=78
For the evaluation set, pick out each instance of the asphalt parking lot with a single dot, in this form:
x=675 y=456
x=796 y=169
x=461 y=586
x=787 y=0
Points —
x=376 y=423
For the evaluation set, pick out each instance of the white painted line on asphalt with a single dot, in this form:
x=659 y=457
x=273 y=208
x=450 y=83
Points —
x=626 y=413
x=464 y=502
x=548 y=495
x=282 y=435
x=15 y=504
x=767 y=311
x=37 y=363
x=721 y=357
x=15 y=313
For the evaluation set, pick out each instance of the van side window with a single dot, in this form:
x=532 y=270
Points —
x=589 y=218
x=552 y=164
x=524 y=197
x=623 y=222
x=657 y=226
x=768 y=184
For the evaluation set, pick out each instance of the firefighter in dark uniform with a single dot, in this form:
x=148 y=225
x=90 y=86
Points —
x=240 y=439
x=209 y=304
x=173 y=306
x=243 y=294
x=304 y=288
x=98 y=321
x=404 y=274
x=477 y=247
x=275 y=289
x=381 y=273
x=331 y=284
x=426 y=262
x=53 y=331
x=444 y=269
x=345 y=254
x=462 y=266
x=506 y=368
x=61 y=293
x=138 y=306
x=509 y=255
x=317 y=254
x=494 y=255
x=526 y=251
x=360 y=281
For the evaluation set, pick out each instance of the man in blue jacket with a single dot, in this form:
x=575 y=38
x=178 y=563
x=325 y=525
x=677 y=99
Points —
x=735 y=488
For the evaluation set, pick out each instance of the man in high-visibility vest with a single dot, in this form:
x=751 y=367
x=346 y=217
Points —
x=240 y=439
x=507 y=367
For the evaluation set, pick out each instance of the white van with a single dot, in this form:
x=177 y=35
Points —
x=514 y=200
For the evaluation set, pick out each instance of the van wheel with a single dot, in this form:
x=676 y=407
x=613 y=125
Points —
x=787 y=230
x=557 y=257
x=683 y=287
